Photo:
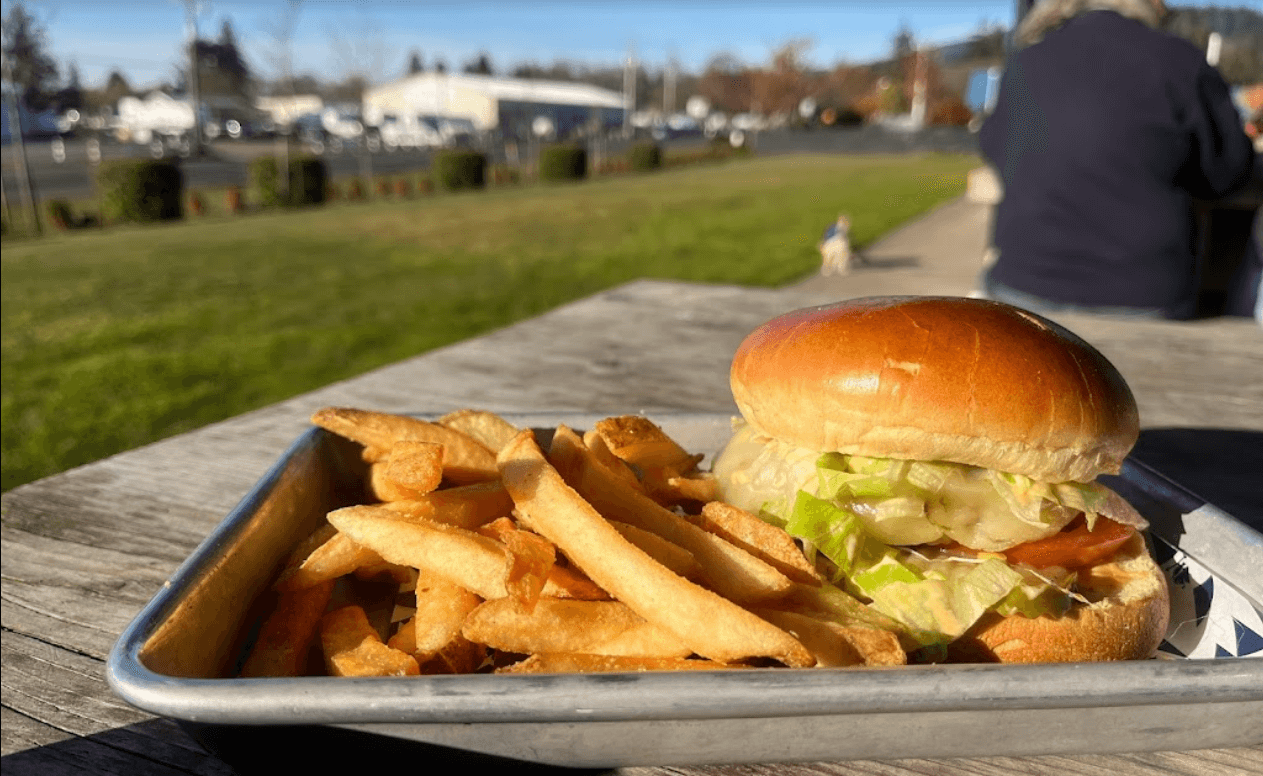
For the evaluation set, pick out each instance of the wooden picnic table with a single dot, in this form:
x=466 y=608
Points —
x=84 y=550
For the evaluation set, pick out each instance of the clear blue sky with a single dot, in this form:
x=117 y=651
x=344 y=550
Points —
x=333 y=38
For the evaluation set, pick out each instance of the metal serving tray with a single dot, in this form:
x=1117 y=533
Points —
x=1199 y=692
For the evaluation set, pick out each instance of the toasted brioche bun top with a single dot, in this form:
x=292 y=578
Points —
x=937 y=379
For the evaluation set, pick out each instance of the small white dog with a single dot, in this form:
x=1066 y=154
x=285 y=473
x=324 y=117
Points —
x=835 y=248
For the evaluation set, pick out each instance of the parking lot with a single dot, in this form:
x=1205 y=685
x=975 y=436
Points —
x=68 y=173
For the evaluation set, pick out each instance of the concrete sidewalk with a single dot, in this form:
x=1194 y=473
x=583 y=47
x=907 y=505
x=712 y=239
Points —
x=942 y=252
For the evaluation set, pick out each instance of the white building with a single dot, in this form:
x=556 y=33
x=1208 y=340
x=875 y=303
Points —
x=284 y=109
x=510 y=106
x=157 y=113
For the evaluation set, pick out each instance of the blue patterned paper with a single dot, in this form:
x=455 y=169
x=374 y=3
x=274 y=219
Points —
x=1208 y=620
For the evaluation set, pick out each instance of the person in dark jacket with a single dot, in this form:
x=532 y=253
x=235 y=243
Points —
x=1104 y=132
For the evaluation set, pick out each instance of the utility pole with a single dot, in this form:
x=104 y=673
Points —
x=15 y=129
x=191 y=8
x=629 y=91
x=668 y=88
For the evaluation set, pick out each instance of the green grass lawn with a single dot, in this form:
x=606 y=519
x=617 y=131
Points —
x=115 y=338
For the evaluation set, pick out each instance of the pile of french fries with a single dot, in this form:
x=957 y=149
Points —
x=488 y=548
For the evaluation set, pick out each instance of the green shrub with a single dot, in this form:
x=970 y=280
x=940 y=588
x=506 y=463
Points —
x=458 y=169
x=307 y=178
x=645 y=156
x=563 y=163
x=140 y=190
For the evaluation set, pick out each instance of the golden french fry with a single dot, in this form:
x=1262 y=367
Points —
x=617 y=466
x=338 y=556
x=464 y=459
x=837 y=645
x=728 y=570
x=642 y=444
x=352 y=647
x=761 y=539
x=374 y=454
x=441 y=610
x=306 y=547
x=464 y=506
x=566 y=582
x=556 y=625
x=701 y=486
x=707 y=623
x=461 y=656
x=491 y=430
x=416 y=466
x=474 y=562
x=829 y=602
x=531 y=559
x=571 y=663
x=665 y=469
x=672 y=556
x=404 y=639
x=289 y=632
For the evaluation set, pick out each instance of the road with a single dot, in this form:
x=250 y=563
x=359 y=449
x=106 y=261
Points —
x=226 y=163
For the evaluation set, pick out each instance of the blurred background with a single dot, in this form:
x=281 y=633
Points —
x=394 y=81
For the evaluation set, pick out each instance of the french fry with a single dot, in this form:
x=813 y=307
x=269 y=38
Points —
x=352 y=647
x=728 y=570
x=474 y=562
x=643 y=445
x=566 y=582
x=464 y=459
x=556 y=625
x=829 y=602
x=571 y=663
x=700 y=486
x=488 y=428
x=306 y=547
x=761 y=539
x=662 y=465
x=289 y=632
x=672 y=556
x=464 y=506
x=531 y=559
x=337 y=556
x=710 y=625
x=371 y=454
x=416 y=466
x=837 y=645
x=441 y=610
x=617 y=466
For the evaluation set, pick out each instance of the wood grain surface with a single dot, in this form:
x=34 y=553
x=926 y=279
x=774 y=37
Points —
x=84 y=550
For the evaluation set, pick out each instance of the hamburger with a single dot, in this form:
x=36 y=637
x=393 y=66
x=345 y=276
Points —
x=937 y=458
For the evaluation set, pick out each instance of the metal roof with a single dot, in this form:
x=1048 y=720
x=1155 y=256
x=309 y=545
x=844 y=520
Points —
x=518 y=89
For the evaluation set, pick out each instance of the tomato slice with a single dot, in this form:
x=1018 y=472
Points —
x=1075 y=547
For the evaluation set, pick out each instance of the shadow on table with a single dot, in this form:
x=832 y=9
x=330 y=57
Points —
x=317 y=749
x=162 y=746
x=1222 y=466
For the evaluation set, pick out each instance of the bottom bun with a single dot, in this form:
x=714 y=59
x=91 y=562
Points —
x=1126 y=619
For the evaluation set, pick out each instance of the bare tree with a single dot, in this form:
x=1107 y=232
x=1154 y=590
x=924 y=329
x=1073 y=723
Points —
x=360 y=48
x=282 y=29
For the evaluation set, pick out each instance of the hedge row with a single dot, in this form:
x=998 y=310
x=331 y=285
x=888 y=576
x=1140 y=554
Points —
x=145 y=190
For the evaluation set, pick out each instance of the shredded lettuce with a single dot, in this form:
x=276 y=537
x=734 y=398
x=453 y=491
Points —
x=860 y=516
x=935 y=599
